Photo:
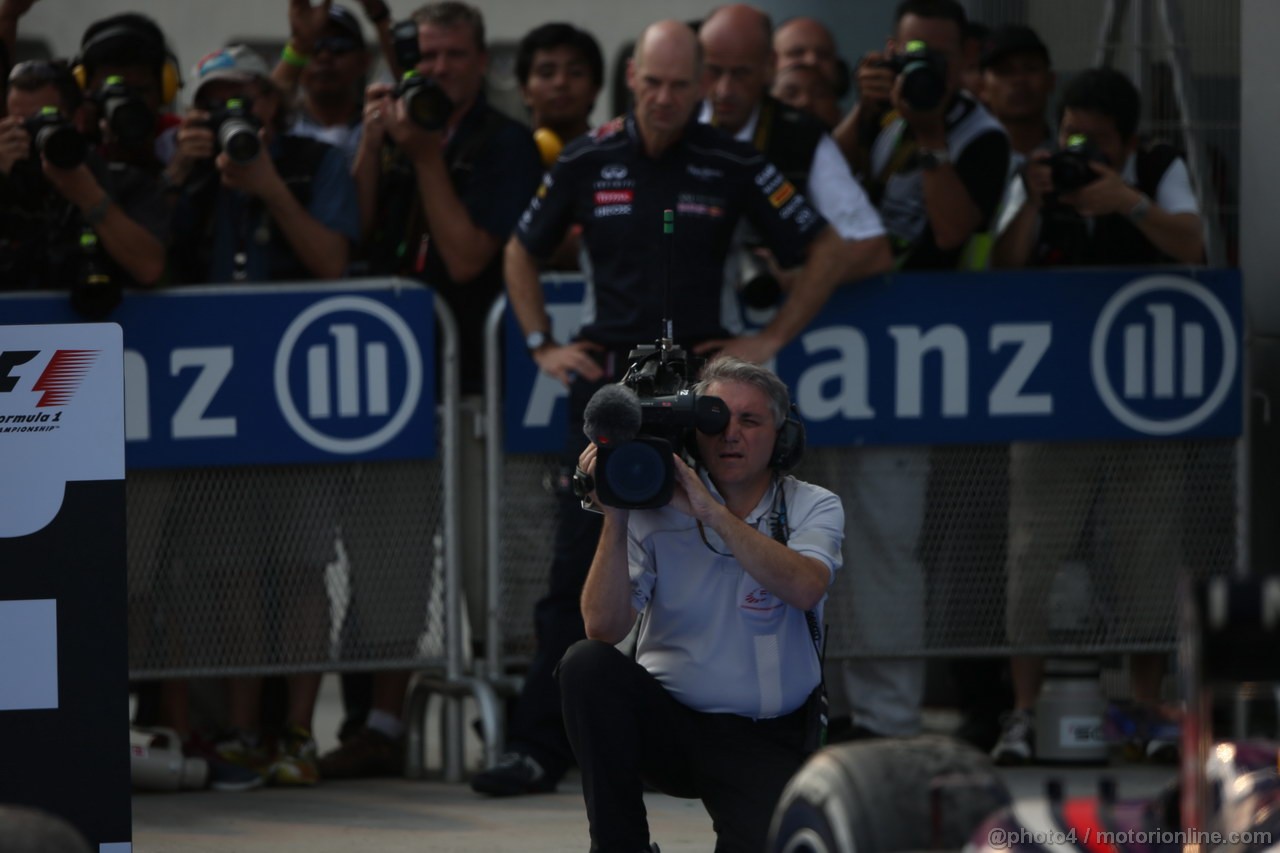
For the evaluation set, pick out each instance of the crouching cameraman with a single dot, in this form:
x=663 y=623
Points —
x=729 y=579
x=1102 y=198
x=70 y=219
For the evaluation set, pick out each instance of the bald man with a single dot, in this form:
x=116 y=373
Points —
x=738 y=61
x=615 y=183
x=807 y=41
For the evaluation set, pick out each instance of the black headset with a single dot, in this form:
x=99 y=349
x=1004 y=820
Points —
x=135 y=26
x=788 y=445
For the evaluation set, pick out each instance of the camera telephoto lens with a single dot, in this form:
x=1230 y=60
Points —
x=61 y=145
x=425 y=102
x=240 y=140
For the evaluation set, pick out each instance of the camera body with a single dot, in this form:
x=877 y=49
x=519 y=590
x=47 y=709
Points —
x=924 y=75
x=424 y=101
x=640 y=473
x=55 y=138
x=235 y=130
x=131 y=121
x=1070 y=168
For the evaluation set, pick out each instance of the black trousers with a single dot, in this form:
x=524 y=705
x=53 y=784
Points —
x=627 y=730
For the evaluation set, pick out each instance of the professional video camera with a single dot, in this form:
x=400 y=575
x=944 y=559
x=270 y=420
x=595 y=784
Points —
x=56 y=139
x=131 y=121
x=640 y=422
x=924 y=74
x=235 y=130
x=1070 y=169
x=425 y=102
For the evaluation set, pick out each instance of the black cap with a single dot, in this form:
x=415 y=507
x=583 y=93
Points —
x=342 y=18
x=1008 y=40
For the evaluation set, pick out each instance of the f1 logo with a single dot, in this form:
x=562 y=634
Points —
x=348 y=402
x=1176 y=350
x=8 y=361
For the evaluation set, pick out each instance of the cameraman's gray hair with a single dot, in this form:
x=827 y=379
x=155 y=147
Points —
x=451 y=13
x=728 y=368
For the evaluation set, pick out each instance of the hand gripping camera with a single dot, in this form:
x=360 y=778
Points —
x=235 y=130
x=924 y=75
x=54 y=138
x=639 y=423
x=1070 y=169
x=425 y=102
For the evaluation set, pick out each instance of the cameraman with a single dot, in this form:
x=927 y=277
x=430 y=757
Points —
x=616 y=183
x=46 y=210
x=1138 y=209
x=715 y=704
x=288 y=212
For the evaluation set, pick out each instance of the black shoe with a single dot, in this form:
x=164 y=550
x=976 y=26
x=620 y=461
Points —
x=515 y=773
x=844 y=730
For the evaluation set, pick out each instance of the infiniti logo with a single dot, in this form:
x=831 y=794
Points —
x=1166 y=335
x=348 y=378
x=615 y=172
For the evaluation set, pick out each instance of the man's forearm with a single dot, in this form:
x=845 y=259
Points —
x=465 y=248
x=812 y=288
x=1178 y=235
x=133 y=247
x=607 y=613
x=1013 y=248
x=798 y=580
x=321 y=249
x=951 y=210
x=524 y=289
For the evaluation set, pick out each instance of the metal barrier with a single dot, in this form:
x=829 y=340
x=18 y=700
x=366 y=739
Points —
x=935 y=520
x=278 y=520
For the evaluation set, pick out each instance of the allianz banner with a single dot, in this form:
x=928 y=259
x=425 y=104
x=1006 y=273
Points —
x=269 y=374
x=943 y=358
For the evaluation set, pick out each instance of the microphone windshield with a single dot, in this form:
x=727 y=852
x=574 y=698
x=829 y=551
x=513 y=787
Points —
x=612 y=415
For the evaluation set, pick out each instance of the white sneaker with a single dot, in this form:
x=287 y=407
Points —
x=1016 y=738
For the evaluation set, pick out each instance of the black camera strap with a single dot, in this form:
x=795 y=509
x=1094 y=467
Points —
x=778 y=528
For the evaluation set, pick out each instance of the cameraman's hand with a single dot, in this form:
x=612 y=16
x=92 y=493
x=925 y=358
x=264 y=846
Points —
x=77 y=184
x=690 y=495
x=929 y=126
x=307 y=23
x=587 y=465
x=569 y=361
x=874 y=80
x=1108 y=194
x=756 y=349
x=379 y=107
x=1037 y=177
x=416 y=143
x=15 y=143
x=258 y=177
x=195 y=143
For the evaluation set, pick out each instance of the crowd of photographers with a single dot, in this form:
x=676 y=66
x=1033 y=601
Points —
x=955 y=156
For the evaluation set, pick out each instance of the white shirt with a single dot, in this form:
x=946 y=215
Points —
x=715 y=638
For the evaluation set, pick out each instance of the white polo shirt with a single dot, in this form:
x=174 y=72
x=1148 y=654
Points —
x=715 y=638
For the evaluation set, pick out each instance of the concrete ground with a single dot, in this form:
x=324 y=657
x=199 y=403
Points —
x=393 y=815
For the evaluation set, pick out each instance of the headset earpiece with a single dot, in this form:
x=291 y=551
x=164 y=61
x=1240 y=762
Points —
x=788 y=448
x=170 y=78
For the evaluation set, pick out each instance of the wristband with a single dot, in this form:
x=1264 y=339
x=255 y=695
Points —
x=292 y=56
x=1140 y=210
x=98 y=212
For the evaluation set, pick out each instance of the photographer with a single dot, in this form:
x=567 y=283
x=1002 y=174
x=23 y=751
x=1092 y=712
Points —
x=1102 y=199
x=254 y=203
x=715 y=704
x=1125 y=203
x=616 y=182
x=80 y=217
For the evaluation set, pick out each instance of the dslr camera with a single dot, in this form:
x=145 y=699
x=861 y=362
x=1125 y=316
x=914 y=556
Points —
x=1069 y=167
x=130 y=119
x=637 y=430
x=424 y=101
x=924 y=74
x=55 y=138
x=235 y=130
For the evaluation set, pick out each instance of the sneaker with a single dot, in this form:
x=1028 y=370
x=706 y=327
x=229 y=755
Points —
x=245 y=752
x=1017 y=735
x=223 y=775
x=1142 y=733
x=366 y=753
x=515 y=773
x=295 y=762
